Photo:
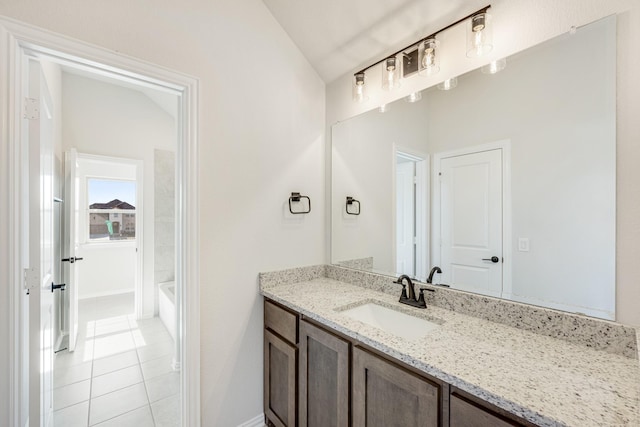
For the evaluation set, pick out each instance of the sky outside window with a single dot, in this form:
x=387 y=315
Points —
x=104 y=191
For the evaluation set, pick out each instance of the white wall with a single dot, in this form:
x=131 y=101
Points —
x=261 y=134
x=108 y=120
x=523 y=23
x=363 y=166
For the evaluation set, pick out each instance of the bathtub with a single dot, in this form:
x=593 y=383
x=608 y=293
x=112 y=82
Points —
x=167 y=306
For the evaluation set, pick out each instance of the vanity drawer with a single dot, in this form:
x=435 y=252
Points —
x=281 y=321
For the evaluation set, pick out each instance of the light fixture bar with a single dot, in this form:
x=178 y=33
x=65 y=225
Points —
x=414 y=44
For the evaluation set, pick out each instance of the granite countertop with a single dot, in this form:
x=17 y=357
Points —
x=545 y=380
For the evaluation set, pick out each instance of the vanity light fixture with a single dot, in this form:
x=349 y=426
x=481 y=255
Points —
x=423 y=56
x=414 y=97
x=391 y=73
x=494 y=66
x=448 y=84
x=359 y=90
x=428 y=56
x=479 y=35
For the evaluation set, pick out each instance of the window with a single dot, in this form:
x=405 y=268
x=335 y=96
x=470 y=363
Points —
x=112 y=213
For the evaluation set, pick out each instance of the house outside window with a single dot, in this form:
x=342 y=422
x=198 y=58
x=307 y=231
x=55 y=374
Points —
x=113 y=219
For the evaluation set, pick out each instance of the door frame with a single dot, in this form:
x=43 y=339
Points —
x=17 y=38
x=436 y=241
x=422 y=207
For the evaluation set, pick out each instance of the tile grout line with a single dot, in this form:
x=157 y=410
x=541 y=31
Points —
x=144 y=381
x=93 y=357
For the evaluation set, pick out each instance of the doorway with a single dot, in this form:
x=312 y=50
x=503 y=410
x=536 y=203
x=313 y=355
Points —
x=26 y=44
x=411 y=213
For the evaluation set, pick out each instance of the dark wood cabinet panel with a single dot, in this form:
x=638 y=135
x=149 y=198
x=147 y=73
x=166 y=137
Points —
x=279 y=381
x=465 y=413
x=281 y=321
x=324 y=378
x=386 y=395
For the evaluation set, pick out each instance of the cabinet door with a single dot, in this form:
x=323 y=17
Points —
x=279 y=381
x=324 y=378
x=465 y=413
x=386 y=395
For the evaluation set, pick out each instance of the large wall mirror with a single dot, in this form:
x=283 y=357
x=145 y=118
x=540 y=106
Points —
x=507 y=182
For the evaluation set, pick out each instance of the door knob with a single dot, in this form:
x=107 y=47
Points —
x=71 y=259
x=493 y=259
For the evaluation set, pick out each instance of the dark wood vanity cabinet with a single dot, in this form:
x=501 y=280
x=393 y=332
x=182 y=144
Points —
x=386 y=395
x=280 y=366
x=315 y=377
x=323 y=394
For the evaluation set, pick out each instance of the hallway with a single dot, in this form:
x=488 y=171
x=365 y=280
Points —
x=120 y=373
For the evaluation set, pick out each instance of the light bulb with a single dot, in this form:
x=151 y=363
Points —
x=495 y=66
x=428 y=57
x=479 y=35
x=359 y=90
x=390 y=74
x=448 y=84
x=414 y=97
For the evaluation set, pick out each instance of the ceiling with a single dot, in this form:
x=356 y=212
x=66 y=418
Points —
x=343 y=36
x=165 y=100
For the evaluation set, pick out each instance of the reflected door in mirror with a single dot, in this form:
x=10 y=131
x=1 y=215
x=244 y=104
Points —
x=471 y=221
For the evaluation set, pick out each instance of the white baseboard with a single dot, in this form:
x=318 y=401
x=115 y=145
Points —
x=257 y=421
x=107 y=294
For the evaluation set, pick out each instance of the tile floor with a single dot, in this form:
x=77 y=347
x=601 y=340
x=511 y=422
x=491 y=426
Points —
x=120 y=373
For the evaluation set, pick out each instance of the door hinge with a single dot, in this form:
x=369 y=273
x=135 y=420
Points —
x=415 y=179
x=31 y=109
x=31 y=278
x=415 y=240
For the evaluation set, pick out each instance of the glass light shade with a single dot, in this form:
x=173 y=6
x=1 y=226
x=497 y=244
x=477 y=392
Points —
x=384 y=108
x=479 y=35
x=390 y=73
x=414 y=97
x=428 y=57
x=448 y=84
x=495 y=66
x=359 y=89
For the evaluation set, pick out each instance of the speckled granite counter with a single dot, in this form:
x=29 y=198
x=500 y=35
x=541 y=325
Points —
x=545 y=380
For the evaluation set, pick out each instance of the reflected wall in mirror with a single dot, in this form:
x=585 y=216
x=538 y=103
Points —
x=507 y=182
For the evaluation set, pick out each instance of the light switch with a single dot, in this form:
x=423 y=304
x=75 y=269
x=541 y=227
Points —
x=523 y=244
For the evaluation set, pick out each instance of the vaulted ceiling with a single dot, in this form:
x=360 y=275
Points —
x=341 y=36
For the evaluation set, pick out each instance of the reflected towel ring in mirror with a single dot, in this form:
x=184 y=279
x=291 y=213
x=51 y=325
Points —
x=296 y=197
x=350 y=202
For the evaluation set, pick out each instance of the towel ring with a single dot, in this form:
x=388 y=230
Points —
x=296 y=197
x=350 y=202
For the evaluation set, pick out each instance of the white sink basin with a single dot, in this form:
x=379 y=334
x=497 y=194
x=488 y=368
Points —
x=391 y=321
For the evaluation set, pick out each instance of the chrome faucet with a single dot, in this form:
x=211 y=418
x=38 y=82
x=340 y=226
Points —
x=410 y=297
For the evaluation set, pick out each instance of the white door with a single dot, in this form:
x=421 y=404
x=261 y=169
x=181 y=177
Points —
x=405 y=218
x=39 y=116
x=471 y=221
x=71 y=241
